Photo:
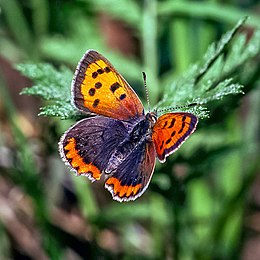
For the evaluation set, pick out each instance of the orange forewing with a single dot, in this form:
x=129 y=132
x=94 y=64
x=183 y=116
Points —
x=98 y=88
x=170 y=131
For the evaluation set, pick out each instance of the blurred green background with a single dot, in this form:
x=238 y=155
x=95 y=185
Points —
x=203 y=203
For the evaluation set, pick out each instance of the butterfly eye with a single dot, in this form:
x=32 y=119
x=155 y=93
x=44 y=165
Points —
x=152 y=117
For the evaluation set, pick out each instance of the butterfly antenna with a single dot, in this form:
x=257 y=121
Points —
x=178 y=107
x=146 y=91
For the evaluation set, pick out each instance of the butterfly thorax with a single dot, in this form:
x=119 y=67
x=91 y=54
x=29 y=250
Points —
x=139 y=135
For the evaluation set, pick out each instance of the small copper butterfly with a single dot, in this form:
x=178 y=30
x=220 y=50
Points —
x=120 y=142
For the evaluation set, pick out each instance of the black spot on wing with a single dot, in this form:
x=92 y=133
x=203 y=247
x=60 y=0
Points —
x=162 y=144
x=123 y=96
x=172 y=123
x=168 y=141
x=94 y=75
x=114 y=87
x=98 y=85
x=100 y=71
x=95 y=103
x=92 y=92
x=173 y=133
x=107 y=69
x=165 y=124
x=182 y=126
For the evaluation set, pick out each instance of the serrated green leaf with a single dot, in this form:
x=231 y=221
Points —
x=60 y=109
x=216 y=49
x=50 y=83
x=211 y=78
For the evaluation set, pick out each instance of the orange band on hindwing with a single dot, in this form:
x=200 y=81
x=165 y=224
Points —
x=77 y=162
x=122 y=190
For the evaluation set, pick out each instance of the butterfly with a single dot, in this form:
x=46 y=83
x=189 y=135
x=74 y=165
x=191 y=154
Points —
x=120 y=142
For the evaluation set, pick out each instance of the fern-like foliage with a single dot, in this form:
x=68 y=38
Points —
x=51 y=85
x=211 y=78
x=208 y=80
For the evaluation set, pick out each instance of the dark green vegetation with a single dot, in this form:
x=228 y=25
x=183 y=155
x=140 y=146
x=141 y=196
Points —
x=200 y=203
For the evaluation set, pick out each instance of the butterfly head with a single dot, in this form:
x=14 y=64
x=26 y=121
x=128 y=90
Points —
x=152 y=118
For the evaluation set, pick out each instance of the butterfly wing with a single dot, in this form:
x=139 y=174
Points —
x=131 y=178
x=98 y=88
x=170 y=131
x=87 y=146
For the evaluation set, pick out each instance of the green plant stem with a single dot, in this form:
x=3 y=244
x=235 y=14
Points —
x=18 y=26
x=150 y=48
x=40 y=17
x=87 y=200
x=180 y=44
